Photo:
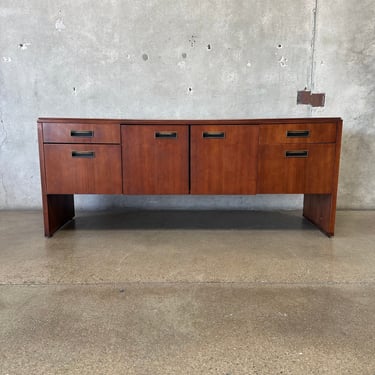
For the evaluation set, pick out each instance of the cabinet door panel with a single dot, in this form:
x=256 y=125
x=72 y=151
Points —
x=224 y=159
x=155 y=159
x=296 y=169
x=83 y=169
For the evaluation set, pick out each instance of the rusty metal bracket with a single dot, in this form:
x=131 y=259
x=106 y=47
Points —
x=307 y=98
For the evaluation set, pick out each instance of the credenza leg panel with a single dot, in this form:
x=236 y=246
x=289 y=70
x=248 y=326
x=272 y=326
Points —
x=57 y=211
x=320 y=209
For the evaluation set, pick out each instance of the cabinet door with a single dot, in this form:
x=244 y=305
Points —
x=83 y=169
x=224 y=159
x=296 y=169
x=155 y=159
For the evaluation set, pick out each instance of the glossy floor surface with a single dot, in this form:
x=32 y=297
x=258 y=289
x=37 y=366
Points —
x=153 y=292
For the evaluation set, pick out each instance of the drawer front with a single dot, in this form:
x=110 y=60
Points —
x=81 y=133
x=296 y=169
x=224 y=159
x=83 y=169
x=155 y=159
x=298 y=133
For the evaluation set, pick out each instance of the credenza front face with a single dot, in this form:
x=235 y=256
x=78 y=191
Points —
x=223 y=157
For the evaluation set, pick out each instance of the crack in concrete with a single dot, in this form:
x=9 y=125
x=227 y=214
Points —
x=3 y=141
x=221 y=283
x=313 y=47
x=5 y=190
x=3 y=130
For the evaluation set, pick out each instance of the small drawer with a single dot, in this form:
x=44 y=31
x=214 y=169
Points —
x=83 y=169
x=298 y=133
x=81 y=133
x=296 y=169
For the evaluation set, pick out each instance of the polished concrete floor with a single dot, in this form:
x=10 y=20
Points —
x=229 y=293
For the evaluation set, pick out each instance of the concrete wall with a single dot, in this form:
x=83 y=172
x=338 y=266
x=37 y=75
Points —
x=184 y=59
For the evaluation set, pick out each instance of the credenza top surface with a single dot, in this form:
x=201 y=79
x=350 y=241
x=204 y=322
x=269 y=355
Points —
x=190 y=122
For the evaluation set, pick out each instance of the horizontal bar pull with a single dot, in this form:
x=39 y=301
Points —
x=82 y=133
x=298 y=133
x=213 y=135
x=297 y=154
x=83 y=154
x=164 y=135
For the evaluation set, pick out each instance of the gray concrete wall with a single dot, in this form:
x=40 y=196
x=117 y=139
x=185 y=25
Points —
x=184 y=59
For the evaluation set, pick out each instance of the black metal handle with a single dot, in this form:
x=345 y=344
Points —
x=298 y=133
x=82 y=133
x=83 y=154
x=168 y=135
x=214 y=135
x=297 y=154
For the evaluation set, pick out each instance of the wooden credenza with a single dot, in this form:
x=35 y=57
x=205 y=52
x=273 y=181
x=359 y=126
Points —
x=225 y=157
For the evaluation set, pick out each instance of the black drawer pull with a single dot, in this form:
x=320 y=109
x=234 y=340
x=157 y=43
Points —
x=83 y=154
x=214 y=135
x=297 y=154
x=82 y=133
x=298 y=133
x=168 y=135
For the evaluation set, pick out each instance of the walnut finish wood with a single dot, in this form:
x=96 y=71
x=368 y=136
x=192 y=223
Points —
x=279 y=174
x=317 y=133
x=321 y=209
x=226 y=165
x=75 y=133
x=153 y=165
x=69 y=174
x=57 y=209
x=123 y=156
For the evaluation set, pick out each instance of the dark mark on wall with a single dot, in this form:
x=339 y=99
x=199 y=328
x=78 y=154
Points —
x=190 y=89
x=193 y=40
x=313 y=99
x=145 y=57
x=209 y=47
x=280 y=46
x=24 y=46
x=184 y=55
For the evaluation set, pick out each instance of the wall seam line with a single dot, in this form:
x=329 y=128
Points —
x=313 y=47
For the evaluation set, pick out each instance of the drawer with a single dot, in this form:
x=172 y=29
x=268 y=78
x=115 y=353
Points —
x=81 y=133
x=223 y=159
x=83 y=169
x=298 y=133
x=296 y=169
